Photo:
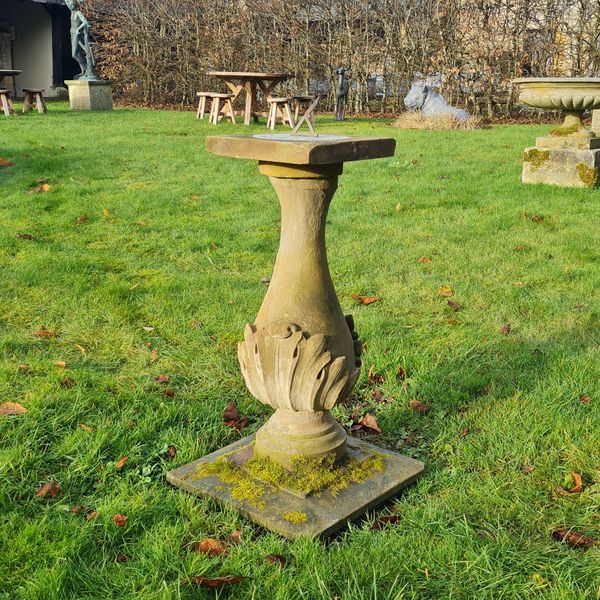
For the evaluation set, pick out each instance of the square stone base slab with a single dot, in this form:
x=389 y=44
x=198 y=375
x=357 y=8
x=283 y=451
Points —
x=326 y=513
x=90 y=95
x=564 y=167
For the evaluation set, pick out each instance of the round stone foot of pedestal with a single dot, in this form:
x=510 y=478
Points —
x=289 y=434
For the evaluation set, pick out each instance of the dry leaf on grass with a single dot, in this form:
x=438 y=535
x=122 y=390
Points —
x=445 y=290
x=61 y=364
x=25 y=236
x=232 y=417
x=48 y=489
x=24 y=368
x=44 y=333
x=4 y=162
x=419 y=406
x=67 y=382
x=453 y=305
x=374 y=378
x=235 y=537
x=575 y=539
x=120 y=520
x=214 y=582
x=171 y=452
x=121 y=462
x=505 y=329
x=424 y=260
x=162 y=378
x=401 y=374
x=42 y=187
x=585 y=399
x=275 y=559
x=86 y=428
x=211 y=547
x=366 y=300
x=121 y=558
x=81 y=219
x=12 y=408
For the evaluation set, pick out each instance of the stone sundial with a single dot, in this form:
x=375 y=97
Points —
x=300 y=475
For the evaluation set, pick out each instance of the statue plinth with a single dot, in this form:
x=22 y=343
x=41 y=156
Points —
x=301 y=356
x=90 y=94
x=569 y=156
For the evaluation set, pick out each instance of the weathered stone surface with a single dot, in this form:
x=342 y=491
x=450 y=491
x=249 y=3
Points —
x=300 y=150
x=561 y=166
x=295 y=515
x=90 y=95
x=596 y=121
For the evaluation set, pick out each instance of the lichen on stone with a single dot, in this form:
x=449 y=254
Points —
x=297 y=517
x=536 y=158
x=306 y=475
x=562 y=131
x=588 y=175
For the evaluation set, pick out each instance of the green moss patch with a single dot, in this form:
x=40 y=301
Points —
x=305 y=476
x=588 y=175
x=536 y=158
x=297 y=517
x=563 y=131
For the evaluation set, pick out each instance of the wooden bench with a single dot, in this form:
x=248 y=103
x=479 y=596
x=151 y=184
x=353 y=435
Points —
x=34 y=96
x=7 y=105
x=215 y=109
x=282 y=108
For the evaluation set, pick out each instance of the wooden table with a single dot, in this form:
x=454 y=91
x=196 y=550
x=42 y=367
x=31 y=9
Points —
x=9 y=73
x=237 y=81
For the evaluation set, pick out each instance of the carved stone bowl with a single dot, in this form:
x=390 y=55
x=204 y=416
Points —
x=573 y=95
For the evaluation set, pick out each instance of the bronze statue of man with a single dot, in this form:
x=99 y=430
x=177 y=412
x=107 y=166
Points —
x=81 y=46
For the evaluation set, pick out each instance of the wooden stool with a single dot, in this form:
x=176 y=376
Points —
x=298 y=102
x=283 y=106
x=7 y=105
x=202 y=104
x=215 y=109
x=34 y=95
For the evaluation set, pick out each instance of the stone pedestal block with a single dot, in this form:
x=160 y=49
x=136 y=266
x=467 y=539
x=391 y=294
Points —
x=566 y=167
x=90 y=95
x=596 y=121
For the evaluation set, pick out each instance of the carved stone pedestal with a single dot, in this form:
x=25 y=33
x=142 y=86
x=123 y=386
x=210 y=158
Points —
x=301 y=355
x=90 y=95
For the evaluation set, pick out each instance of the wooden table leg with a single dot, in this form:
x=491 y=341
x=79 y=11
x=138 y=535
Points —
x=250 y=100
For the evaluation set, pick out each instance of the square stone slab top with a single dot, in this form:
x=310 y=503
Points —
x=287 y=148
x=296 y=515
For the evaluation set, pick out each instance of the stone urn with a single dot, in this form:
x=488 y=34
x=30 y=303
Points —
x=568 y=156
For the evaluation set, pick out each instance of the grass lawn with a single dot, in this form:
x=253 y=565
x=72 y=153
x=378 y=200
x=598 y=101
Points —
x=162 y=276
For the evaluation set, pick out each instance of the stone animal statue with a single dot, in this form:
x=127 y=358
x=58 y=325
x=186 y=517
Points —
x=81 y=45
x=422 y=97
x=341 y=94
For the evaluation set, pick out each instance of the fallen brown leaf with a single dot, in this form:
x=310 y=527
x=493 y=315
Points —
x=575 y=539
x=366 y=299
x=232 y=417
x=25 y=236
x=527 y=469
x=171 y=452
x=162 y=378
x=505 y=329
x=121 y=558
x=81 y=349
x=453 y=321
x=445 y=290
x=424 y=259
x=537 y=218
x=24 y=368
x=170 y=393
x=401 y=374
x=86 y=427
x=93 y=514
x=239 y=424
x=211 y=547
x=419 y=406
x=44 y=333
x=235 y=537
x=154 y=355
x=380 y=522
x=81 y=219
x=577 y=486
x=61 y=364
x=12 y=408
x=374 y=378
x=464 y=432
x=275 y=559
x=119 y=520
x=67 y=382
x=41 y=188
x=214 y=582
x=76 y=509
x=4 y=162
x=107 y=215
x=585 y=399
x=48 y=489
x=370 y=422
x=453 y=305
x=121 y=462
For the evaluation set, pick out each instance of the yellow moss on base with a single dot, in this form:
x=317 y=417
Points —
x=306 y=475
x=536 y=158
x=562 y=131
x=296 y=517
x=588 y=175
